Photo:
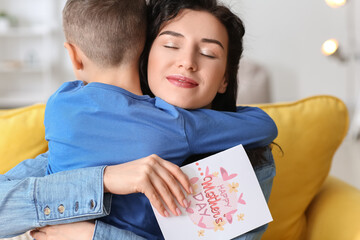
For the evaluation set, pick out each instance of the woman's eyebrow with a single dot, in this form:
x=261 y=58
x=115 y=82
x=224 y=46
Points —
x=208 y=40
x=172 y=33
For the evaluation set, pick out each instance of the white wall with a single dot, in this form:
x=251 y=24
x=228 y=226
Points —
x=283 y=35
x=29 y=12
x=286 y=37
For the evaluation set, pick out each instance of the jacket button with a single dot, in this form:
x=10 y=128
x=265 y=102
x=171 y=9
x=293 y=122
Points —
x=92 y=204
x=61 y=208
x=47 y=211
x=76 y=206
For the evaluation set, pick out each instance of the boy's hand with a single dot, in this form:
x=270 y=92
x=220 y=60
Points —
x=157 y=178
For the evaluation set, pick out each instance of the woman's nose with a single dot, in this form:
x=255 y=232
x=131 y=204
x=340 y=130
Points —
x=188 y=61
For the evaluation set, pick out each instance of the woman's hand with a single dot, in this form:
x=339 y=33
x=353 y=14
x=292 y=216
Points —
x=71 y=231
x=158 y=179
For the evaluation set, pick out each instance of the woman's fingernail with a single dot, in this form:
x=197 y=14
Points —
x=191 y=190
x=185 y=203
x=166 y=214
x=178 y=211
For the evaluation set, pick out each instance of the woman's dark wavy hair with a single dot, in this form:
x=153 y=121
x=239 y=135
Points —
x=162 y=11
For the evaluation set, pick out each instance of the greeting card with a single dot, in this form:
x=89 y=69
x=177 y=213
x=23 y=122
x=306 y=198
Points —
x=227 y=200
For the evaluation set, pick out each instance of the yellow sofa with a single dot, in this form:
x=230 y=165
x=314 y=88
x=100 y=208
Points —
x=305 y=202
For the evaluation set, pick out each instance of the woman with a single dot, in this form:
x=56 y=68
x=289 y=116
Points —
x=167 y=30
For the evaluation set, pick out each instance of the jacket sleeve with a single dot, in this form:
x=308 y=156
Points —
x=29 y=199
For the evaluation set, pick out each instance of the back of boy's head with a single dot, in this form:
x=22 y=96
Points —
x=109 y=32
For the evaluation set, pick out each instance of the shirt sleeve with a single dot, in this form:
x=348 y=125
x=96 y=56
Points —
x=212 y=131
x=28 y=199
x=109 y=232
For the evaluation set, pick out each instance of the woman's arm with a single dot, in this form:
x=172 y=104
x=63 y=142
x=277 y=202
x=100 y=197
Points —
x=124 y=179
x=78 y=195
x=265 y=173
x=84 y=231
x=29 y=200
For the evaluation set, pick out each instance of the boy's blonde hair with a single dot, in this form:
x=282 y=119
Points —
x=109 y=32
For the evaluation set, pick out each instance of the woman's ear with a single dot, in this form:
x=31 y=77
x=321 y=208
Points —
x=74 y=56
x=223 y=85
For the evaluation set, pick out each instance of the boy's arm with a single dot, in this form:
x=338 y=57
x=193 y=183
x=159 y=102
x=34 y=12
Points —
x=29 y=200
x=211 y=131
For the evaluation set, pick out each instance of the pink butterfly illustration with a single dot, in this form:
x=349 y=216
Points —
x=229 y=215
x=241 y=201
x=225 y=175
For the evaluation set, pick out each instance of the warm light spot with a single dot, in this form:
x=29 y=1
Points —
x=335 y=3
x=329 y=47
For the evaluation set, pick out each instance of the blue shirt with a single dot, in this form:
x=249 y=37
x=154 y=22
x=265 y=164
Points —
x=100 y=124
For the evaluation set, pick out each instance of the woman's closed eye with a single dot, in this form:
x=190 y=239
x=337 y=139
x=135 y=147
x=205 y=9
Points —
x=171 y=45
x=208 y=54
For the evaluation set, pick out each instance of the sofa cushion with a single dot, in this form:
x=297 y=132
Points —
x=310 y=131
x=22 y=135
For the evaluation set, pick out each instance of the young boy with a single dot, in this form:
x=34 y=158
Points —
x=103 y=119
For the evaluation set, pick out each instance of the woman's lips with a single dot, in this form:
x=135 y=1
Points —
x=181 y=81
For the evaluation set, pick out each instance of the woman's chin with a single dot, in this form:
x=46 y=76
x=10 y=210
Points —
x=190 y=105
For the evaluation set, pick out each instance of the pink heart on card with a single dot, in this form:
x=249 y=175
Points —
x=201 y=224
x=193 y=180
x=189 y=210
x=225 y=175
x=229 y=215
x=207 y=172
x=241 y=201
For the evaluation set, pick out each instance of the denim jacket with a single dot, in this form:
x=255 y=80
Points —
x=29 y=199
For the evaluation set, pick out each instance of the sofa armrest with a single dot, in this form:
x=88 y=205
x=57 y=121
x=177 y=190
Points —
x=334 y=213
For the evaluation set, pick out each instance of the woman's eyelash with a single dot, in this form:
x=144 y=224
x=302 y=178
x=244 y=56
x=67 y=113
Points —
x=171 y=46
x=207 y=55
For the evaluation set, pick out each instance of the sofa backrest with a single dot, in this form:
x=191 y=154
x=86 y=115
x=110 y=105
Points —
x=310 y=131
x=22 y=135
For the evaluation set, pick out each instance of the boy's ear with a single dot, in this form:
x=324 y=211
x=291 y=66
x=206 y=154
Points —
x=74 y=56
x=223 y=85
